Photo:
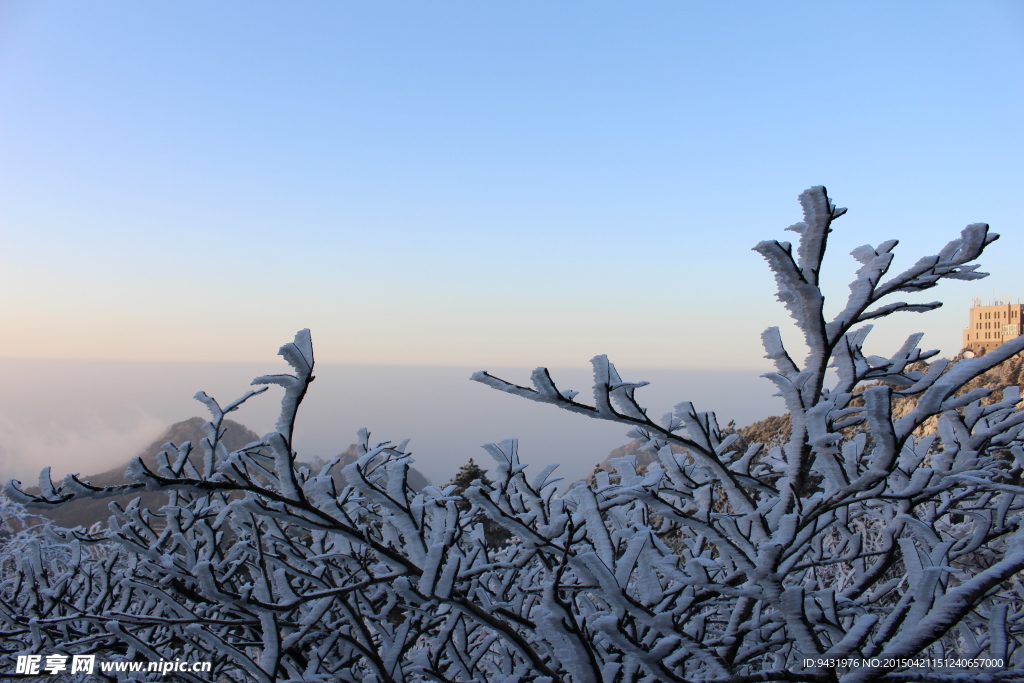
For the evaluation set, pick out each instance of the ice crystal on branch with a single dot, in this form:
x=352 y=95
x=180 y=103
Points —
x=863 y=537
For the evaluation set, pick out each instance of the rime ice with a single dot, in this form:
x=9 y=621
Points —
x=866 y=537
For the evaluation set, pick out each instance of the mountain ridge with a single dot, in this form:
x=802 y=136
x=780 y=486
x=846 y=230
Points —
x=774 y=429
x=87 y=512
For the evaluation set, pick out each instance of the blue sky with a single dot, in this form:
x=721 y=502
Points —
x=485 y=184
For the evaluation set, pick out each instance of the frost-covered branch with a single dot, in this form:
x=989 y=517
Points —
x=799 y=550
x=887 y=525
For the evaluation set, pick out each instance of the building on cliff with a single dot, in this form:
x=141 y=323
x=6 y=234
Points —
x=991 y=325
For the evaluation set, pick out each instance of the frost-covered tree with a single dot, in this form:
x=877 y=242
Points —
x=860 y=546
x=471 y=474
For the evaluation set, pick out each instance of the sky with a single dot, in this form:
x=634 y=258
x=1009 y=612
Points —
x=480 y=185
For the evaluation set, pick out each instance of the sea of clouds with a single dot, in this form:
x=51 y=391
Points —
x=90 y=416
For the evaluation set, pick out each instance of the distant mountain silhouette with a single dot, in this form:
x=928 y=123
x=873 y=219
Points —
x=414 y=477
x=86 y=512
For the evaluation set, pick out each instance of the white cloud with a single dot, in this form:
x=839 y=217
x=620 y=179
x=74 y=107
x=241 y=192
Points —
x=88 y=445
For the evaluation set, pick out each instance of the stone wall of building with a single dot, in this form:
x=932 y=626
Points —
x=991 y=325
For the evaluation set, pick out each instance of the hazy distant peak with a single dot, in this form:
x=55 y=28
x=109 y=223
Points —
x=236 y=436
x=416 y=479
